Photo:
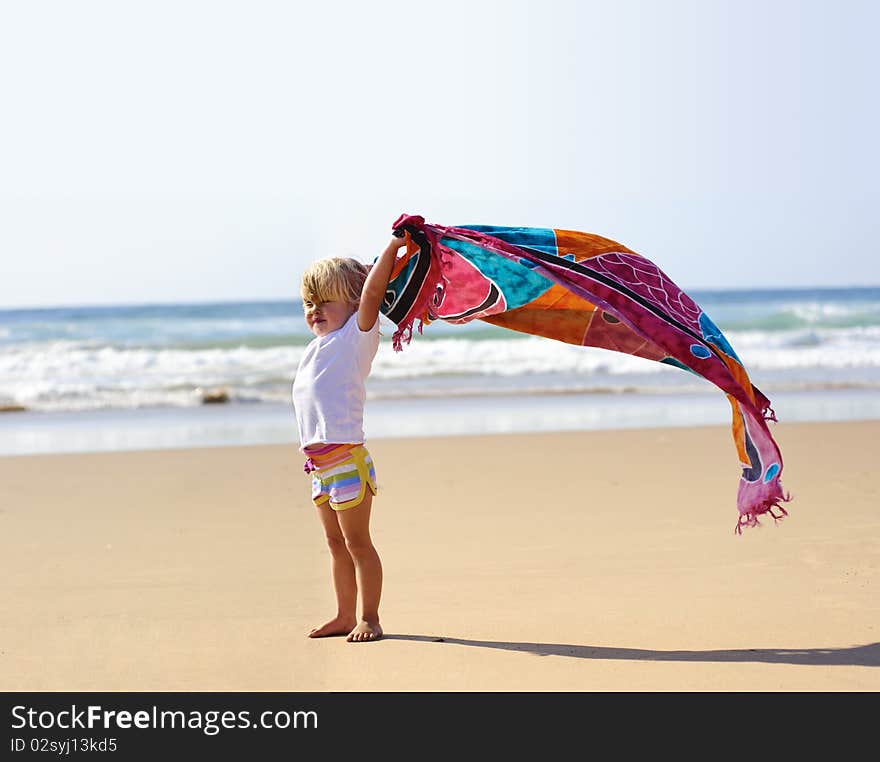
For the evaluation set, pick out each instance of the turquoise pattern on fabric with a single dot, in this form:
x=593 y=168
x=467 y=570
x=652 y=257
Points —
x=678 y=364
x=712 y=334
x=541 y=239
x=518 y=284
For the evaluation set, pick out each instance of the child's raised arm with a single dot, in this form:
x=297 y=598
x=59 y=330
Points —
x=374 y=286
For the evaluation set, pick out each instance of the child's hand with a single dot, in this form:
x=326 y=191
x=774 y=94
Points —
x=397 y=243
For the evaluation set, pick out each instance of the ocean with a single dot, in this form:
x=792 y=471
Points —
x=141 y=377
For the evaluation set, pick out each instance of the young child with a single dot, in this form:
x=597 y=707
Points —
x=341 y=299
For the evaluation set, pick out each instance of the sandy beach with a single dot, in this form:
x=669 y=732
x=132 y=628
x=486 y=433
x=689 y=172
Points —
x=580 y=561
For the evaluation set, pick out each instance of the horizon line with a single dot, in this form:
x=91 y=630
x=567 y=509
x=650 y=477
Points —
x=275 y=300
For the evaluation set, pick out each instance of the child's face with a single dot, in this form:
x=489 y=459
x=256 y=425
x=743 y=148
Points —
x=325 y=317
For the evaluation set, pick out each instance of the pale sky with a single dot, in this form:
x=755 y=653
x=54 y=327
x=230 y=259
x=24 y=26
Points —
x=197 y=151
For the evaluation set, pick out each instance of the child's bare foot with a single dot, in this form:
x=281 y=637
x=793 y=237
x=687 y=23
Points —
x=365 y=632
x=336 y=626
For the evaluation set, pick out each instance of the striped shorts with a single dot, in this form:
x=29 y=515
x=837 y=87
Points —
x=341 y=474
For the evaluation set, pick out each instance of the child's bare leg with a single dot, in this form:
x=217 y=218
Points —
x=344 y=581
x=355 y=525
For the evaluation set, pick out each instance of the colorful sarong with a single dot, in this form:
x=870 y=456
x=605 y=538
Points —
x=587 y=290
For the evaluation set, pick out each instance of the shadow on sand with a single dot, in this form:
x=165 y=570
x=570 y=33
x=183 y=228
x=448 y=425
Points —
x=855 y=656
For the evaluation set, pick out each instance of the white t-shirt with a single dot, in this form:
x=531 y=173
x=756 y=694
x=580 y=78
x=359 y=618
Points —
x=328 y=390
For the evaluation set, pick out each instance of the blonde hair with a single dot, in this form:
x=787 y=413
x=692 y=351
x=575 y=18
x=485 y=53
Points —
x=334 y=279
